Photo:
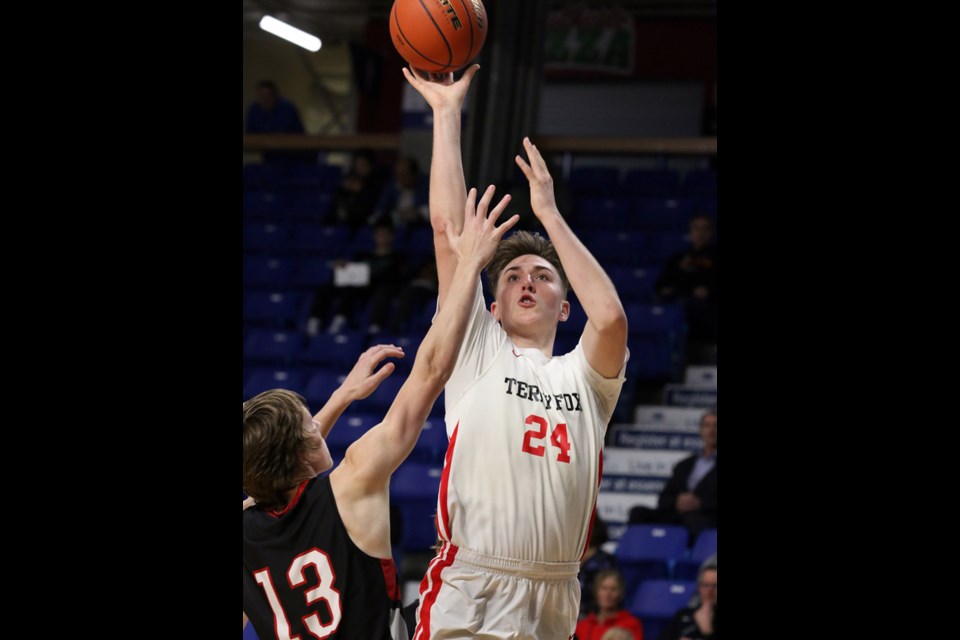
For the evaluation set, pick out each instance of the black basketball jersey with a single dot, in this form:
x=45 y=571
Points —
x=304 y=577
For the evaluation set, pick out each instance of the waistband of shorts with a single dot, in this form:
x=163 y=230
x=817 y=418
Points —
x=539 y=570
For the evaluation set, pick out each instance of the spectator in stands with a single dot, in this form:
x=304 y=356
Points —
x=388 y=273
x=690 y=496
x=697 y=621
x=610 y=590
x=594 y=560
x=272 y=113
x=359 y=191
x=403 y=201
x=412 y=299
x=690 y=277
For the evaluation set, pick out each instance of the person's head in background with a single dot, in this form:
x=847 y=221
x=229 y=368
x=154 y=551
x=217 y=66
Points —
x=708 y=430
x=609 y=590
x=707 y=583
x=701 y=231
x=267 y=94
x=406 y=171
x=364 y=162
x=617 y=633
x=383 y=237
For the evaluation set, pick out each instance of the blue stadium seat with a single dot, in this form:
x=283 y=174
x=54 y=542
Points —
x=606 y=212
x=259 y=380
x=381 y=399
x=264 y=237
x=265 y=347
x=273 y=308
x=319 y=385
x=249 y=633
x=656 y=602
x=311 y=205
x=664 y=214
x=265 y=206
x=266 y=271
x=664 y=244
x=432 y=444
x=348 y=430
x=700 y=182
x=596 y=180
x=644 y=318
x=609 y=247
x=319 y=240
x=408 y=342
x=651 y=182
x=337 y=352
x=703 y=547
x=414 y=488
x=634 y=284
x=648 y=552
x=311 y=272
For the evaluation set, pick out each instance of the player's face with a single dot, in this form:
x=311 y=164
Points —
x=316 y=457
x=529 y=294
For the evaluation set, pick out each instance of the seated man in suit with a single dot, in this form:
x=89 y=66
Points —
x=690 y=496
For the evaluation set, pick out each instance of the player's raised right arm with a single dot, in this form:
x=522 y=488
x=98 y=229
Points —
x=448 y=192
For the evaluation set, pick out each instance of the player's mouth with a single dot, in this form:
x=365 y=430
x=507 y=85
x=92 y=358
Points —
x=527 y=300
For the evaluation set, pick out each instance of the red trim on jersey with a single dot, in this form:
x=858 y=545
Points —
x=390 y=576
x=593 y=514
x=442 y=513
x=430 y=587
x=292 y=503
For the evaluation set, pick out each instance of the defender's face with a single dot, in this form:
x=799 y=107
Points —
x=317 y=456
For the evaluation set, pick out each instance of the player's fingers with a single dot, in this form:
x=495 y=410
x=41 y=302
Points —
x=507 y=225
x=470 y=206
x=381 y=374
x=527 y=171
x=469 y=73
x=485 y=200
x=497 y=210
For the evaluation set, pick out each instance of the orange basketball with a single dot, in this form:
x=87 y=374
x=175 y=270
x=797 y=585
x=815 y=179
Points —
x=438 y=36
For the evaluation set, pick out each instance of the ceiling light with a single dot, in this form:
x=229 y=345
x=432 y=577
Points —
x=291 y=34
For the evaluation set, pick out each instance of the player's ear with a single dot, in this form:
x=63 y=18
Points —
x=494 y=309
x=564 y=311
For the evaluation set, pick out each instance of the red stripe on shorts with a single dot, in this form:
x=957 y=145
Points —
x=430 y=587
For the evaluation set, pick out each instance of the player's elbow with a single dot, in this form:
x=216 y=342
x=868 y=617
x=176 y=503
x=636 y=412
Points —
x=433 y=368
x=610 y=318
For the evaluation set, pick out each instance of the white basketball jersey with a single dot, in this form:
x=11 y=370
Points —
x=522 y=471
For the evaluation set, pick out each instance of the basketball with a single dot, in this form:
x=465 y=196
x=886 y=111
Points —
x=438 y=36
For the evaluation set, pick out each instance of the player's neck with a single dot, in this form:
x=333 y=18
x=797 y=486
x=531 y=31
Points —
x=544 y=346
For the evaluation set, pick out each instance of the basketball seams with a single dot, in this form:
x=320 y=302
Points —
x=442 y=36
x=470 y=19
